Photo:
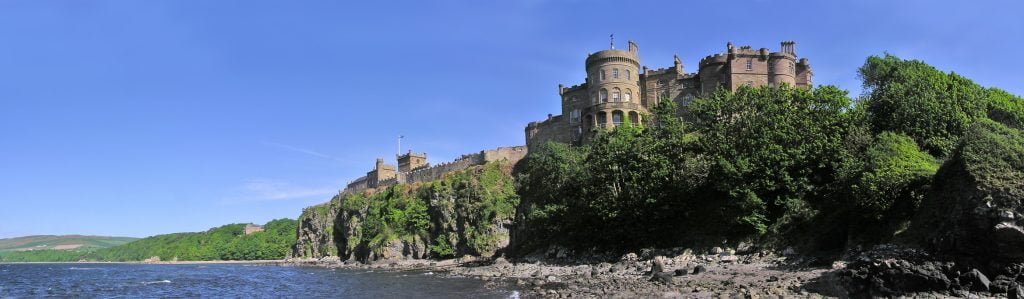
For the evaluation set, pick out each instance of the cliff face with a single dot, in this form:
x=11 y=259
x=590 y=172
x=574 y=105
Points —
x=316 y=231
x=466 y=212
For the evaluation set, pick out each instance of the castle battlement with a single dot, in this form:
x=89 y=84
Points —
x=716 y=58
x=426 y=172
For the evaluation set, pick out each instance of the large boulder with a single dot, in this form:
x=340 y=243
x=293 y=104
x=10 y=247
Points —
x=975 y=208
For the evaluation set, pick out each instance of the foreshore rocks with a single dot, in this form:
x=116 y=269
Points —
x=894 y=271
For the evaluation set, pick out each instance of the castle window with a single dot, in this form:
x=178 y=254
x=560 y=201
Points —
x=602 y=119
x=604 y=95
x=602 y=75
x=634 y=118
x=574 y=116
x=617 y=117
x=771 y=67
x=629 y=96
x=629 y=75
x=616 y=95
x=790 y=66
x=615 y=73
x=750 y=64
x=661 y=83
x=593 y=99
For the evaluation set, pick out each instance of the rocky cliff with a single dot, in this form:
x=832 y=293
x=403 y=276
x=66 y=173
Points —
x=466 y=212
x=316 y=231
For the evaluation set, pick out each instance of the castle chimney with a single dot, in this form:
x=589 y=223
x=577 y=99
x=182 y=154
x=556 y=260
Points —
x=788 y=47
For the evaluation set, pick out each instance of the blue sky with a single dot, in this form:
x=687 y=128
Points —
x=136 y=118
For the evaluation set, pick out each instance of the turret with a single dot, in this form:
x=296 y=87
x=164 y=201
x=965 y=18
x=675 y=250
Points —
x=804 y=74
x=614 y=88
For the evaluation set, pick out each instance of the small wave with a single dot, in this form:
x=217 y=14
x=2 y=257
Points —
x=159 y=281
x=514 y=295
x=428 y=273
x=82 y=268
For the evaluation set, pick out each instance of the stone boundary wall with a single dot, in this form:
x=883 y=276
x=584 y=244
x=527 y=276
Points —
x=425 y=174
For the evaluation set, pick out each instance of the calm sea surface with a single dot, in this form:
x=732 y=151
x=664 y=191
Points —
x=230 y=280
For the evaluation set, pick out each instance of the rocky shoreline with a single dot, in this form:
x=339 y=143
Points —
x=682 y=273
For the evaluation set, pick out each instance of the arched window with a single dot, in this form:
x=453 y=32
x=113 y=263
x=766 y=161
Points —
x=616 y=95
x=604 y=95
x=629 y=95
x=617 y=117
x=602 y=119
x=615 y=73
x=602 y=75
x=634 y=118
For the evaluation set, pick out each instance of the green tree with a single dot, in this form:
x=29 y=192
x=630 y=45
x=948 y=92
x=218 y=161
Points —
x=773 y=149
x=912 y=98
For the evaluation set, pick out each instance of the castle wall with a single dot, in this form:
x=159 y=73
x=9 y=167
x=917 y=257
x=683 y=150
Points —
x=425 y=174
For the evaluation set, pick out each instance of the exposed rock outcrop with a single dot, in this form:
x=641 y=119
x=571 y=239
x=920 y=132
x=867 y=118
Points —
x=316 y=233
x=976 y=210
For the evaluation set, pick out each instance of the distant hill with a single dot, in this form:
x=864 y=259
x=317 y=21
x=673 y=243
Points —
x=66 y=242
x=227 y=242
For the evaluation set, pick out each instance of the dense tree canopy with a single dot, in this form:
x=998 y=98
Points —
x=807 y=167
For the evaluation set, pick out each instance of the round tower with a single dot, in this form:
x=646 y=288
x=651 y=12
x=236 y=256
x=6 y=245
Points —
x=712 y=72
x=613 y=88
x=782 y=65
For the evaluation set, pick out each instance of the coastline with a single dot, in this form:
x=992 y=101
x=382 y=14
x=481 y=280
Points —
x=156 y=263
x=683 y=275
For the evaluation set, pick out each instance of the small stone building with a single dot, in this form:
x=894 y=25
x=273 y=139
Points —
x=252 y=228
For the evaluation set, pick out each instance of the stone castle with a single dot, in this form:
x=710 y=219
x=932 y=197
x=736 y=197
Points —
x=618 y=90
x=413 y=168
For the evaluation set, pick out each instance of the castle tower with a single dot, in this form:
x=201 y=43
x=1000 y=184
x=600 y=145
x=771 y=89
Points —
x=381 y=172
x=782 y=65
x=411 y=160
x=613 y=88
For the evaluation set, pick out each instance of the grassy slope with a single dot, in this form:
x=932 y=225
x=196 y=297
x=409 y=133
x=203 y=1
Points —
x=49 y=242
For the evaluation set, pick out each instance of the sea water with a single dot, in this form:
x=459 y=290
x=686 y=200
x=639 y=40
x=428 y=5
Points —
x=231 y=280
